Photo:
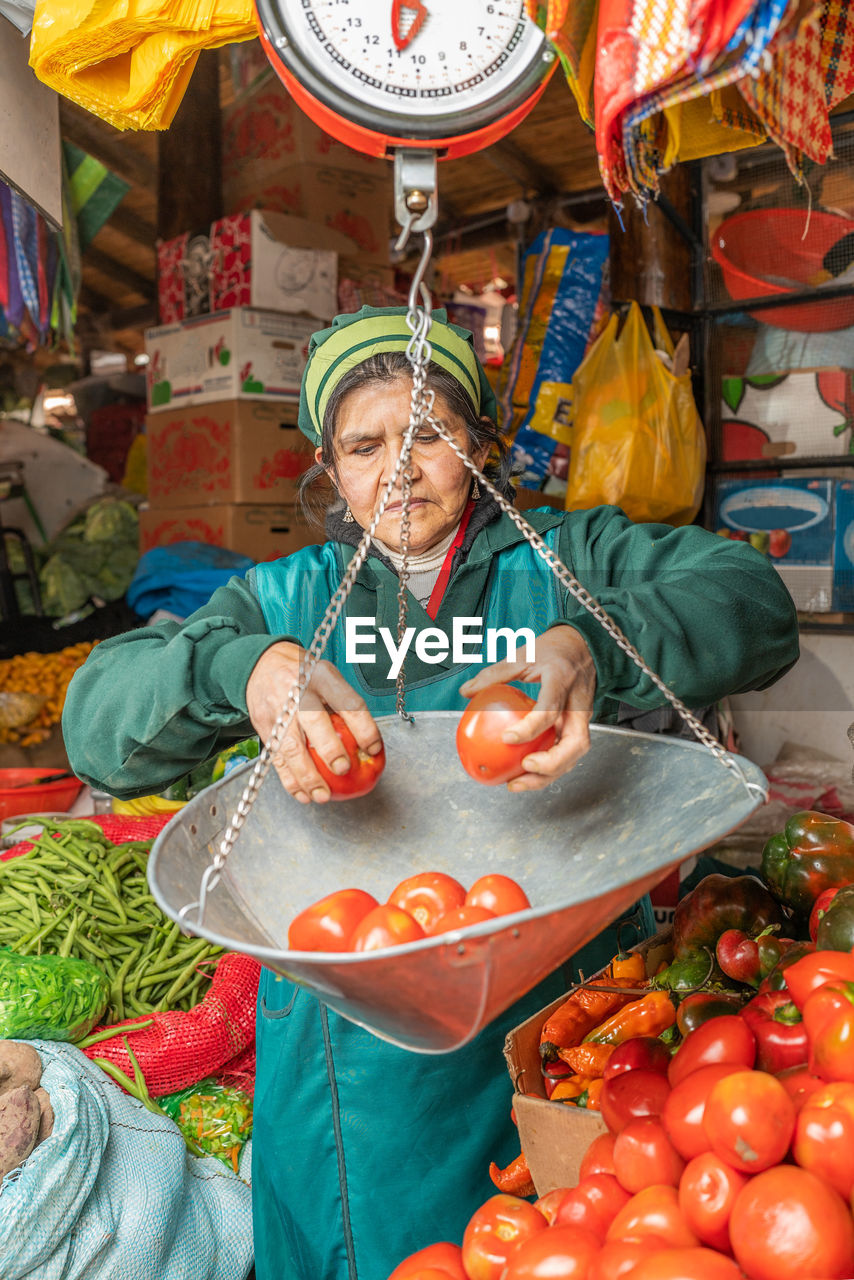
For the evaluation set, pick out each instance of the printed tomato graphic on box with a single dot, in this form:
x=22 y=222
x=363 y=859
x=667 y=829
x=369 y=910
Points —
x=191 y=453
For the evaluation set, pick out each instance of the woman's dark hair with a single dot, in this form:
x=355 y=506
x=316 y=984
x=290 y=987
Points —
x=390 y=366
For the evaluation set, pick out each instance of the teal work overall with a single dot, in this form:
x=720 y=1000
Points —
x=362 y=1152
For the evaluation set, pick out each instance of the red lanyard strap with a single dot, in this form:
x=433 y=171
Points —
x=445 y=571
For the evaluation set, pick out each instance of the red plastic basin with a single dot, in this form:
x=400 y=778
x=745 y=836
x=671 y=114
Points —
x=57 y=796
x=749 y=247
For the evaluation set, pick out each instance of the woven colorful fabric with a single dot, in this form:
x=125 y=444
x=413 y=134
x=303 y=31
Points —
x=788 y=96
x=837 y=50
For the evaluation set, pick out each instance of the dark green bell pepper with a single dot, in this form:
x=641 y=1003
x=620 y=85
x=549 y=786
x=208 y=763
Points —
x=836 y=926
x=813 y=852
x=719 y=903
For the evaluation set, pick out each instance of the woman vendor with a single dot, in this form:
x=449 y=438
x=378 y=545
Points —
x=364 y=1152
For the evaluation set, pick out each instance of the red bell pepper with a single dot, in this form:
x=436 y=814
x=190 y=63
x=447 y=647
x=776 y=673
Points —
x=812 y=971
x=781 y=1035
x=829 y=1020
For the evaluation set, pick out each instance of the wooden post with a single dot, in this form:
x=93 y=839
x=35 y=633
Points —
x=651 y=261
x=189 y=180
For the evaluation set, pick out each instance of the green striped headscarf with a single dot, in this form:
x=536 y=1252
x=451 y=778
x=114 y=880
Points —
x=354 y=338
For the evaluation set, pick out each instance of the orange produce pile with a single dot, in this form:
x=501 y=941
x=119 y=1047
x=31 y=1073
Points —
x=45 y=675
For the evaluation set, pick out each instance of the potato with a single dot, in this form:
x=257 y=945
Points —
x=19 y=1064
x=47 y=1116
x=19 y=1127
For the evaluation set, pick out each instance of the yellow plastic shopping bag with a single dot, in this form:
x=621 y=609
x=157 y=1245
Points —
x=637 y=440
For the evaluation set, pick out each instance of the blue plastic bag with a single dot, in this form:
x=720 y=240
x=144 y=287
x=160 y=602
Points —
x=182 y=578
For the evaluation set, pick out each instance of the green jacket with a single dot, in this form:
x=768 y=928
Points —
x=709 y=615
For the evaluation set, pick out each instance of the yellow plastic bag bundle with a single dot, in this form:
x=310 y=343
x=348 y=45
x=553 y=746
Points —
x=130 y=61
x=637 y=441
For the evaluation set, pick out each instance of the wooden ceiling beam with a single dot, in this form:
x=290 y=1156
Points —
x=101 y=140
x=130 y=224
x=118 y=271
x=97 y=304
x=102 y=314
x=510 y=158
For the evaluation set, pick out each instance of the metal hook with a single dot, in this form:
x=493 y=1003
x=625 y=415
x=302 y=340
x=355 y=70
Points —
x=418 y=287
x=403 y=239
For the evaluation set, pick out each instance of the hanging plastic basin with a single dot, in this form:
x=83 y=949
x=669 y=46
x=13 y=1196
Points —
x=584 y=850
x=752 y=246
x=55 y=796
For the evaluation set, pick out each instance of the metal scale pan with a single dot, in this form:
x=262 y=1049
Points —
x=584 y=849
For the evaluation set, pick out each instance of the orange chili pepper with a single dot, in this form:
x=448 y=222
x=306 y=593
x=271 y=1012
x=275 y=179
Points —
x=648 y=1016
x=594 y=1095
x=587 y=1059
x=516 y=1179
x=581 y=1013
x=631 y=965
x=570 y=1089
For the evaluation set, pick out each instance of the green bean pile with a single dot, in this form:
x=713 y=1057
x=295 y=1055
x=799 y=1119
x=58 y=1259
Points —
x=76 y=894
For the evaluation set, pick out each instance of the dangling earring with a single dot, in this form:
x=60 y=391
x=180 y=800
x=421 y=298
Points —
x=349 y=518
x=475 y=491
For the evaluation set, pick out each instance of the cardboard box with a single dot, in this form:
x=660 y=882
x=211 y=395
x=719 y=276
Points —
x=229 y=451
x=843 y=553
x=251 y=259
x=229 y=355
x=808 y=413
x=555 y=1136
x=263 y=531
x=357 y=203
x=792 y=521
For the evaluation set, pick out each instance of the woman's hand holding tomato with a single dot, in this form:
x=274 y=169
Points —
x=324 y=770
x=566 y=673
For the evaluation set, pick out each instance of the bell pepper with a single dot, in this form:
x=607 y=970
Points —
x=700 y=1006
x=719 y=903
x=815 y=970
x=814 y=852
x=829 y=1020
x=630 y=964
x=749 y=959
x=781 y=1036
x=819 y=907
x=835 y=929
x=776 y=979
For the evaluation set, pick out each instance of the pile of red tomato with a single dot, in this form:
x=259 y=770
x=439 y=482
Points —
x=419 y=907
x=710 y=1169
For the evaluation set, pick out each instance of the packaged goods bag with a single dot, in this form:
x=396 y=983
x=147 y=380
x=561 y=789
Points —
x=113 y=1194
x=637 y=439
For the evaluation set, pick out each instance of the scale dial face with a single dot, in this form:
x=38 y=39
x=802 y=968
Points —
x=410 y=69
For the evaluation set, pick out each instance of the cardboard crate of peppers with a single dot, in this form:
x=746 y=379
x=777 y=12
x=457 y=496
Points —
x=722 y=1086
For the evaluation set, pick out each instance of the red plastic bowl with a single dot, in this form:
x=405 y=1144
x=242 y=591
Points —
x=56 y=796
x=749 y=247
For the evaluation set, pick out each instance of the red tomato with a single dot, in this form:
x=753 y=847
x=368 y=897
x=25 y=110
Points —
x=749 y=1120
x=364 y=772
x=824 y=1136
x=385 y=927
x=644 y=1156
x=687 y=1264
x=443 y=1259
x=800 y=1084
x=548 y=1204
x=724 y=1039
x=632 y=1095
x=328 y=925
x=707 y=1192
x=643 y=1053
x=428 y=896
x=654 y=1212
x=787 y=1224
x=593 y=1204
x=566 y=1252
x=496 y=1230
x=461 y=918
x=599 y=1156
x=489 y=714
x=685 y=1106
x=618 y=1258
x=499 y=894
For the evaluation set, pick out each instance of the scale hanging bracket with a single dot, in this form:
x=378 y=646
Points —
x=416 y=194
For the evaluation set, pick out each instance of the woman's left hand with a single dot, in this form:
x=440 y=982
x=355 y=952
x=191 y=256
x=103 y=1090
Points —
x=567 y=676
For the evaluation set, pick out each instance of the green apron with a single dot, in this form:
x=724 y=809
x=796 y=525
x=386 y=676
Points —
x=363 y=1152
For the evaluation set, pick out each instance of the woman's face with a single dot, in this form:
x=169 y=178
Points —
x=372 y=421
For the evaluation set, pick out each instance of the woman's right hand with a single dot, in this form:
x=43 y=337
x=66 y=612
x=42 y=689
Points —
x=273 y=676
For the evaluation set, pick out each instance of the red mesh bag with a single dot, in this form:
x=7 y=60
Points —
x=214 y=1038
